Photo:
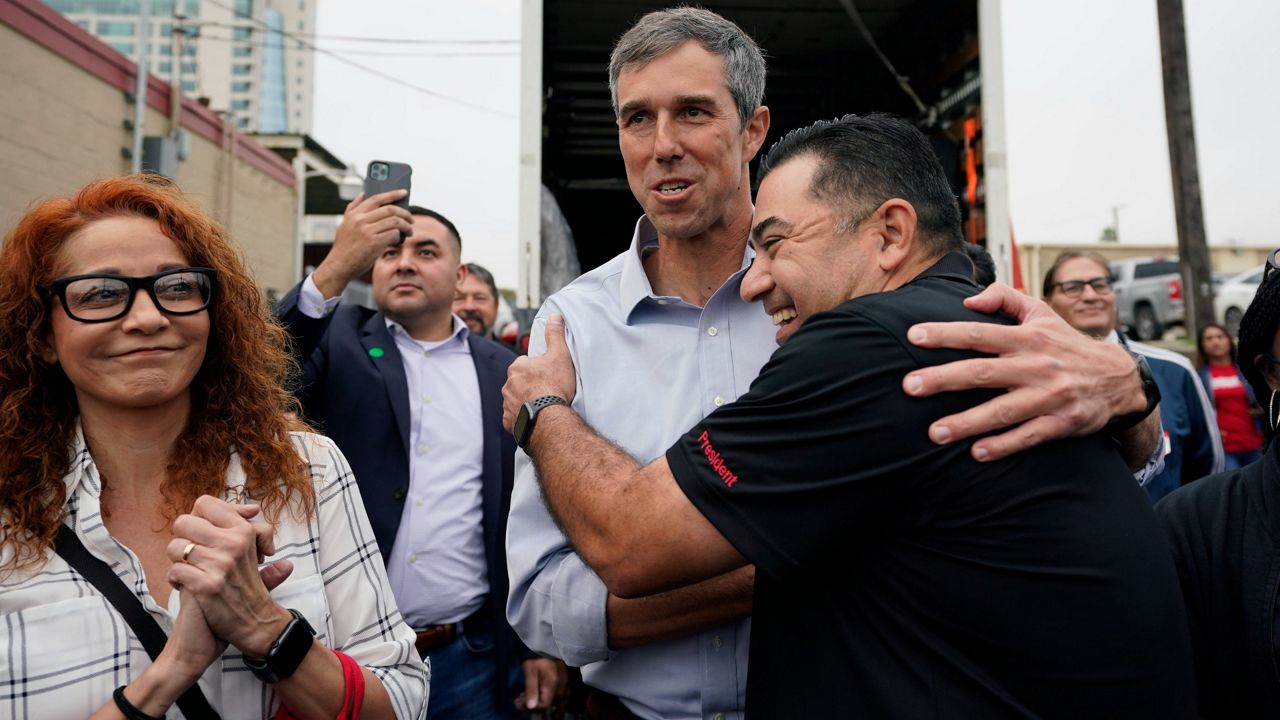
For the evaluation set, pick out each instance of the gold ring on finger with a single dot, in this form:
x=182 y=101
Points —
x=186 y=551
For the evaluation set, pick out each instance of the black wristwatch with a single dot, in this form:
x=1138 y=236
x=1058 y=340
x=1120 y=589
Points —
x=1149 y=388
x=528 y=416
x=286 y=652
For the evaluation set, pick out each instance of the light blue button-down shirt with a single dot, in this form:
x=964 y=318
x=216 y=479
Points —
x=649 y=367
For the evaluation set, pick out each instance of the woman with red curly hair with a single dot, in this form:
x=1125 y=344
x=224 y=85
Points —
x=143 y=406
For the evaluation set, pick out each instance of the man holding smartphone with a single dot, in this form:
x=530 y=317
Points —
x=412 y=398
x=660 y=337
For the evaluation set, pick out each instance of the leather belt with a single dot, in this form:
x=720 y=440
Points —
x=434 y=637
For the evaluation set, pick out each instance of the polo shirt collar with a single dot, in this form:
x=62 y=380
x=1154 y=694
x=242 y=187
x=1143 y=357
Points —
x=954 y=265
x=634 y=286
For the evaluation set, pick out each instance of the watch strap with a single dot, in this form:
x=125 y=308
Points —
x=530 y=411
x=287 y=651
x=1149 y=388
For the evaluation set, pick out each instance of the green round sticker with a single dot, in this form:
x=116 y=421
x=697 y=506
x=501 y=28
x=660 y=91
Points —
x=375 y=352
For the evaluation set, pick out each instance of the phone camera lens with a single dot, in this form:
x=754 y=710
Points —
x=379 y=171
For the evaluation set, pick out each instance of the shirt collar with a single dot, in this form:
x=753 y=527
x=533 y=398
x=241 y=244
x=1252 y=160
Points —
x=81 y=471
x=634 y=286
x=457 y=337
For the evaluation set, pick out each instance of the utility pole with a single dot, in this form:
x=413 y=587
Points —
x=1115 y=222
x=1192 y=250
x=141 y=72
x=175 y=90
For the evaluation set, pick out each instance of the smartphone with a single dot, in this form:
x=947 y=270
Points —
x=383 y=176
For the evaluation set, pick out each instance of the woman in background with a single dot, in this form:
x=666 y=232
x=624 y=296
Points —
x=1233 y=399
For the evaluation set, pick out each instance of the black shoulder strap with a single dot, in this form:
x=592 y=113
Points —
x=192 y=702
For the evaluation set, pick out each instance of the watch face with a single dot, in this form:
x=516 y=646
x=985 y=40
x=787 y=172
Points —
x=521 y=429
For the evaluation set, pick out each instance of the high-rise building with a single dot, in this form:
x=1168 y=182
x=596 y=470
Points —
x=252 y=58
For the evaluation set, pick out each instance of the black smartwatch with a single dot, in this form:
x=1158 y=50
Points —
x=1149 y=388
x=286 y=652
x=528 y=414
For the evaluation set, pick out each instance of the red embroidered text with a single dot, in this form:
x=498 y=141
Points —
x=717 y=463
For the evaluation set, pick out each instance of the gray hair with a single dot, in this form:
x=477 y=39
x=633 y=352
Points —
x=662 y=31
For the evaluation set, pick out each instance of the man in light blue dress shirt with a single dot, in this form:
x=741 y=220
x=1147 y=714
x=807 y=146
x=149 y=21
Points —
x=660 y=337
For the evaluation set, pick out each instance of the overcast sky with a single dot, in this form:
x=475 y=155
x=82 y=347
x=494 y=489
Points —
x=1084 y=108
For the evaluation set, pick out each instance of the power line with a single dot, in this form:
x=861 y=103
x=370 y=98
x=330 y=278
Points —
x=377 y=53
x=357 y=38
x=365 y=68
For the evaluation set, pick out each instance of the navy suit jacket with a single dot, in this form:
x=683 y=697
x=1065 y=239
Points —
x=354 y=390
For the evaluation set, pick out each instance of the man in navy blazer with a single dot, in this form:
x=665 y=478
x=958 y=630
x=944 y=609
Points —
x=414 y=401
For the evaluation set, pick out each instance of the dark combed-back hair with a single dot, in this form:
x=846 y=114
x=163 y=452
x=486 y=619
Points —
x=419 y=210
x=1257 y=337
x=984 y=268
x=1202 y=357
x=1051 y=275
x=239 y=397
x=865 y=160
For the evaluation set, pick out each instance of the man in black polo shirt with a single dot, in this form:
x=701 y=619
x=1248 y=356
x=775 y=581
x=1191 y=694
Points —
x=895 y=577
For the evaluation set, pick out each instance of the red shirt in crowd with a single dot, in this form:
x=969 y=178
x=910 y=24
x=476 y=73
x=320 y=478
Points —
x=1238 y=426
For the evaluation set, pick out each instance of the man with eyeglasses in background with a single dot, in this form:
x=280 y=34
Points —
x=1078 y=287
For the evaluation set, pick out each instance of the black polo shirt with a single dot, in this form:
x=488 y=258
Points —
x=899 y=578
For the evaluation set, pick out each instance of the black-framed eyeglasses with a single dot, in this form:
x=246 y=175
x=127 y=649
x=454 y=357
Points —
x=1273 y=264
x=1073 y=288
x=101 y=297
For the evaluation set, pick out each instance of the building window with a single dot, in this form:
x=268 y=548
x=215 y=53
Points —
x=241 y=33
x=164 y=29
x=241 y=86
x=115 y=28
x=239 y=104
x=241 y=51
x=165 y=49
x=243 y=123
x=301 y=25
x=84 y=24
x=189 y=49
x=244 y=8
x=124 y=48
x=189 y=68
x=241 y=69
x=164 y=68
x=188 y=86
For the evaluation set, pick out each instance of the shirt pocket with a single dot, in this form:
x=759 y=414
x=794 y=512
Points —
x=63 y=659
x=306 y=595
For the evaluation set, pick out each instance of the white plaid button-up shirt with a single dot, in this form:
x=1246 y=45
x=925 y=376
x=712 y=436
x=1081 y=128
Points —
x=64 y=648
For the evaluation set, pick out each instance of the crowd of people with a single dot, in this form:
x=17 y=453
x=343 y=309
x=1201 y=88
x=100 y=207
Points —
x=782 y=456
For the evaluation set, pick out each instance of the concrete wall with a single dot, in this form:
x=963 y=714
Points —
x=62 y=124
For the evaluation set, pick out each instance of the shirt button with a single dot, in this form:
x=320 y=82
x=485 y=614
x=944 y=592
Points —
x=413 y=557
x=398 y=493
x=662 y=302
x=426 y=399
x=718 y=401
x=712 y=331
x=423 y=449
x=418 y=502
x=717 y=643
